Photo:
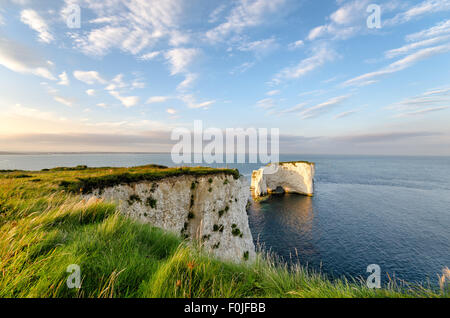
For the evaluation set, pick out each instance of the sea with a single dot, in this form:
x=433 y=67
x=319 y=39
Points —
x=392 y=211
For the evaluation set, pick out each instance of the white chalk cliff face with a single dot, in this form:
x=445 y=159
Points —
x=292 y=177
x=210 y=209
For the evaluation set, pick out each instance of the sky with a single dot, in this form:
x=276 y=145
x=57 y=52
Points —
x=136 y=69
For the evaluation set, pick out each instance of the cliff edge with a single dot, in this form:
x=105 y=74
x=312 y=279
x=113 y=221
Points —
x=209 y=208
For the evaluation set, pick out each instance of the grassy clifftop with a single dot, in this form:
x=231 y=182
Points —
x=44 y=229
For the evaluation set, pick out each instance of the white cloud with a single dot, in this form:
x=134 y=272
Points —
x=89 y=77
x=245 y=14
x=131 y=26
x=345 y=22
x=440 y=29
x=273 y=92
x=37 y=23
x=295 y=109
x=150 y=56
x=317 y=32
x=90 y=92
x=63 y=79
x=259 y=48
x=215 y=15
x=431 y=101
x=180 y=58
x=320 y=56
x=21 y=59
x=102 y=105
x=296 y=45
x=418 y=10
x=63 y=101
x=171 y=111
x=191 y=102
x=346 y=114
x=187 y=82
x=399 y=65
x=410 y=47
x=157 y=99
x=321 y=108
x=128 y=101
x=242 y=68
x=423 y=111
x=266 y=103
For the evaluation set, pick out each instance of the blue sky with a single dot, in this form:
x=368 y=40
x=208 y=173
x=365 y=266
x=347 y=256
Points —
x=136 y=69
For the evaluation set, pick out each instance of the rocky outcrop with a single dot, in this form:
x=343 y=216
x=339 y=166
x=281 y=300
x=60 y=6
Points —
x=290 y=177
x=208 y=209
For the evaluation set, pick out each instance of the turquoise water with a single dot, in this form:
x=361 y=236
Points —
x=390 y=211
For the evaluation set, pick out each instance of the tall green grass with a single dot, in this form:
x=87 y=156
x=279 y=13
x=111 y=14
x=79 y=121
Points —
x=43 y=230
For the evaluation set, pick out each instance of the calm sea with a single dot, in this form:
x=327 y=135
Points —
x=390 y=211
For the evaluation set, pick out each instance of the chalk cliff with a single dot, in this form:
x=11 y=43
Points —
x=290 y=177
x=210 y=209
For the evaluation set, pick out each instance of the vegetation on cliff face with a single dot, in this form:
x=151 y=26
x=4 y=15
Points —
x=138 y=174
x=44 y=229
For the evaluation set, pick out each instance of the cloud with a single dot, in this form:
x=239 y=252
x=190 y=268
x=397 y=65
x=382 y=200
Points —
x=157 y=99
x=319 y=57
x=191 y=102
x=171 y=111
x=423 y=111
x=21 y=59
x=261 y=47
x=116 y=83
x=430 y=101
x=242 y=68
x=346 y=114
x=418 y=10
x=385 y=137
x=131 y=26
x=296 y=45
x=158 y=140
x=63 y=100
x=37 y=23
x=89 y=77
x=214 y=16
x=344 y=22
x=128 y=101
x=399 y=65
x=180 y=58
x=273 y=92
x=442 y=28
x=90 y=92
x=410 y=47
x=150 y=56
x=319 y=109
x=294 y=109
x=188 y=81
x=245 y=14
x=63 y=79
x=266 y=103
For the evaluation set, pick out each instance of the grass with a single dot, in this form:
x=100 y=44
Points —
x=139 y=174
x=44 y=229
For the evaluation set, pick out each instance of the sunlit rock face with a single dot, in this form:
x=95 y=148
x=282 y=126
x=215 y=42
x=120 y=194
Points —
x=292 y=177
x=207 y=209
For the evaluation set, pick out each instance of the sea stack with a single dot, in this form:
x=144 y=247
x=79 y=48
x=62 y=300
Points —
x=289 y=177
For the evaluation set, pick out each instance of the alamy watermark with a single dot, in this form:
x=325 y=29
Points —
x=374 y=19
x=374 y=279
x=74 y=279
x=232 y=145
x=73 y=16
